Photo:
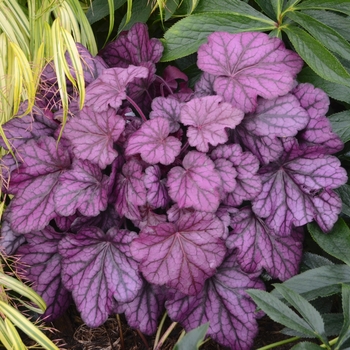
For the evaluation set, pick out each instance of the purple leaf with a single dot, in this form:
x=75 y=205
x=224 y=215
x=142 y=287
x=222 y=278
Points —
x=181 y=255
x=282 y=116
x=227 y=173
x=247 y=65
x=130 y=191
x=289 y=188
x=224 y=304
x=195 y=185
x=134 y=47
x=143 y=312
x=82 y=188
x=258 y=247
x=98 y=269
x=149 y=218
x=153 y=142
x=9 y=240
x=246 y=166
x=33 y=206
x=167 y=108
x=319 y=129
x=109 y=89
x=42 y=264
x=93 y=133
x=157 y=193
x=205 y=85
x=174 y=212
x=207 y=118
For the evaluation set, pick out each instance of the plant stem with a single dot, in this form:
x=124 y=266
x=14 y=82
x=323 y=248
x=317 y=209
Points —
x=120 y=332
x=138 y=109
x=159 y=330
x=282 y=342
x=165 y=335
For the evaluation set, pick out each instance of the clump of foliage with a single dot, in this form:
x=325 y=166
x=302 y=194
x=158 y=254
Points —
x=159 y=196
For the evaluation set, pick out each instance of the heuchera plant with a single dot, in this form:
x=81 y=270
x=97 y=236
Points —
x=158 y=196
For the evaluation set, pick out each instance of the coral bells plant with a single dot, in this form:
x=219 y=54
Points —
x=160 y=197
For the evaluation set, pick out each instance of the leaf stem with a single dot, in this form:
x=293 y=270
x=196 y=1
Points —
x=165 y=335
x=282 y=342
x=165 y=84
x=156 y=340
x=138 y=109
x=120 y=332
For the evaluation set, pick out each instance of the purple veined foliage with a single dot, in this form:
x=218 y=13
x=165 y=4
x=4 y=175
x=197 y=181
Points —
x=132 y=124
x=130 y=190
x=109 y=89
x=174 y=212
x=175 y=80
x=245 y=173
x=225 y=214
x=83 y=188
x=132 y=47
x=181 y=255
x=73 y=110
x=197 y=184
x=168 y=108
x=223 y=303
x=64 y=223
x=207 y=118
x=205 y=85
x=92 y=135
x=143 y=312
x=319 y=129
x=149 y=217
x=40 y=260
x=35 y=181
x=99 y=271
x=293 y=186
x=247 y=65
x=10 y=240
x=157 y=193
x=258 y=247
x=153 y=142
x=8 y=164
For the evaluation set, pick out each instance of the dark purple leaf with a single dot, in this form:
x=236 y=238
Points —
x=83 y=188
x=130 y=191
x=207 y=118
x=133 y=47
x=7 y=165
x=109 y=89
x=149 y=218
x=246 y=166
x=99 y=270
x=290 y=186
x=174 y=212
x=247 y=65
x=93 y=133
x=64 y=223
x=33 y=206
x=224 y=304
x=42 y=264
x=168 y=108
x=195 y=185
x=153 y=142
x=9 y=240
x=157 y=193
x=181 y=255
x=205 y=85
x=258 y=247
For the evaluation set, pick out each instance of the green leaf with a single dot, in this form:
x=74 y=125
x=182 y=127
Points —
x=306 y=346
x=336 y=242
x=193 y=339
x=170 y=8
x=323 y=33
x=100 y=9
x=306 y=310
x=341 y=124
x=277 y=7
x=266 y=6
x=280 y=312
x=345 y=331
x=336 y=91
x=312 y=261
x=185 y=37
x=319 y=59
x=141 y=10
x=338 y=22
x=335 y=5
x=344 y=193
x=320 y=282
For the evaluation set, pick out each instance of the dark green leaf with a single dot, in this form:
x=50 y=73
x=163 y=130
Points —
x=345 y=331
x=170 y=8
x=306 y=346
x=324 y=34
x=336 y=242
x=280 y=312
x=336 y=91
x=193 y=339
x=185 y=37
x=141 y=10
x=305 y=309
x=323 y=281
x=338 y=22
x=266 y=6
x=99 y=9
x=344 y=193
x=341 y=124
x=313 y=261
x=335 y=5
x=277 y=7
x=319 y=59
